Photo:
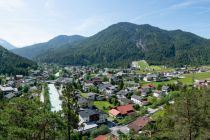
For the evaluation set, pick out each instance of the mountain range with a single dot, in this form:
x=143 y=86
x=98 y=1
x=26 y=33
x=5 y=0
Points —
x=31 y=52
x=11 y=63
x=6 y=45
x=122 y=43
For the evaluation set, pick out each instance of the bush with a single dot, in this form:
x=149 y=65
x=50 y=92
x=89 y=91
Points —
x=25 y=88
x=93 y=89
x=105 y=79
x=136 y=107
x=152 y=100
x=103 y=129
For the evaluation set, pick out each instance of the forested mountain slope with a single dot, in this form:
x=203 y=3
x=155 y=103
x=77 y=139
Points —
x=6 y=45
x=37 y=49
x=12 y=64
x=124 y=42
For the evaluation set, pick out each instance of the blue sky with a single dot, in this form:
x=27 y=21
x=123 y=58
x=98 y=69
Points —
x=25 y=22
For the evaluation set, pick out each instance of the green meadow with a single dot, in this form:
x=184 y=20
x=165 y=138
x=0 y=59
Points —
x=186 y=80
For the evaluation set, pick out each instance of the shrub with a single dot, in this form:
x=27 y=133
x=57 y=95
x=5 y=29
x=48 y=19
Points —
x=103 y=129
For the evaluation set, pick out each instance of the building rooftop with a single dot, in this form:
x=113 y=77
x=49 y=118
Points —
x=5 y=89
x=88 y=112
x=125 y=109
x=136 y=97
x=139 y=123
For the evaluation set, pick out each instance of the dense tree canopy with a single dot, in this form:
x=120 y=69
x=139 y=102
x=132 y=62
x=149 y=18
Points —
x=188 y=118
x=122 y=43
x=22 y=118
x=12 y=64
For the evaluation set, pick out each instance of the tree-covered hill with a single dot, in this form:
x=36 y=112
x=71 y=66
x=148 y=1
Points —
x=6 y=45
x=124 y=42
x=13 y=64
x=37 y=49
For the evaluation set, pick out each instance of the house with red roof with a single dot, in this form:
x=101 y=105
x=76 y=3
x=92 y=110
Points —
x=148 y=88
x=121 y=111
x=139 y=124
x=105 y=137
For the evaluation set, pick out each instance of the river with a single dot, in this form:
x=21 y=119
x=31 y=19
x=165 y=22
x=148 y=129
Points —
x=56 y=103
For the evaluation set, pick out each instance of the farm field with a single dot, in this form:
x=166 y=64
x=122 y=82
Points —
x=187 y=80
x=197 y=76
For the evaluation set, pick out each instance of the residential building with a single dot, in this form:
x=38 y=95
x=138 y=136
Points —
x=7 y=90
x=91 y=96
x=86 y=86
x=105 y=137
x=90 y=118
x=92 y=115
x=151 y=77
x=158 y=93
x=122 y=111
x=82 y=102
x=139 y=100
x=124 y=101
x=165 y=89
x=139 y=124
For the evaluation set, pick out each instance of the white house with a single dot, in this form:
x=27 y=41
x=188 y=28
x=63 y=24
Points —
x=157 y=93
x=165 y=89
x=7 y=90
x=138 y=100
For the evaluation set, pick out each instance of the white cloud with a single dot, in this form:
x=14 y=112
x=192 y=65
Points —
x=149 y=14
x=11 y=5
x=183 y=4
x=49 y=4
x=89 y=24
x=143 y=16
x=187 y=4
x=176 y=6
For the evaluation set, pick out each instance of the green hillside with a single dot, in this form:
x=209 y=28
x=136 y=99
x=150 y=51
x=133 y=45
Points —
x=33 y=51
x=12 y=64
x=122 y=43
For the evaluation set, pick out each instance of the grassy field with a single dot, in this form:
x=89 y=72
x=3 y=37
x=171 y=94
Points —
x=143 y=64
x=103 y=105
x=207 y=66
x=156 y=68
x=83 y=95
x=145 y=68
x=197 y=76
x=187 y=80
x=160 y=69
x=158 y=115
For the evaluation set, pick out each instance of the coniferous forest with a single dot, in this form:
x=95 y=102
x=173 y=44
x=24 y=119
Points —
x=13 y=64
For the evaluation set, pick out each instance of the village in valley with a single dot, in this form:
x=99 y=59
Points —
x=118 y=100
